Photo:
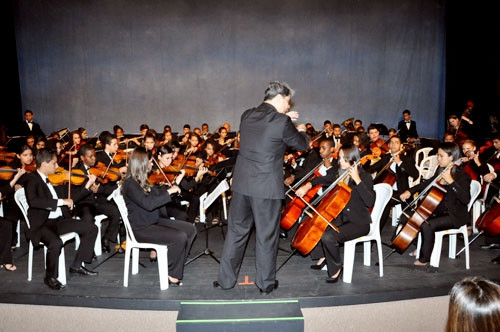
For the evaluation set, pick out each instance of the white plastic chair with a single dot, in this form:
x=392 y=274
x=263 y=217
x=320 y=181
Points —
x=428 y=167
x=421 y=154
x=475 y=189
x=21 y=201
x=383 y=193
x=133 y=247
x=97 y=246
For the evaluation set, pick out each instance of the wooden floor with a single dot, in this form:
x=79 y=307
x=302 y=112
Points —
x=296 y=280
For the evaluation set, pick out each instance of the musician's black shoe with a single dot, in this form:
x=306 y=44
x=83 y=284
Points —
x=83 y=271
x=490 y=246
x=106 y=248
x=283 y=235
x=496 y=260
x=53 y=283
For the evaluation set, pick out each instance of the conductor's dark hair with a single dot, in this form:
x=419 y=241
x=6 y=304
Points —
x=278 y=88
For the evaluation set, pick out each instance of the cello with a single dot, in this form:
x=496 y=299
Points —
x=434 y=194
x=331 y=203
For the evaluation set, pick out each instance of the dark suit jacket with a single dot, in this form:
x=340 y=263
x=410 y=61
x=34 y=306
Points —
x=87 y=196
x=362 y=199
x=404 y=132
x=403 y=171
x=24 y=129
x=41 y=203
x=143 y=208
x=265 y=134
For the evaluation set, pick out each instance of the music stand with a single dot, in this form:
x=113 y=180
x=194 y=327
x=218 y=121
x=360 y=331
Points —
x=205 y=201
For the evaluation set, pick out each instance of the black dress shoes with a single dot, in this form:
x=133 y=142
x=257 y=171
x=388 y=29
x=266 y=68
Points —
x=53 y=283
x=269 y=290
x=335 y=279
x=490 y=246
x=496 y=260
x=83 y=271
x=217 y=285
x=106 y=248
x=318 y=267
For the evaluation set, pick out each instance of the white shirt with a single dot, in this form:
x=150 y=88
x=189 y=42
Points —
x=58 y=212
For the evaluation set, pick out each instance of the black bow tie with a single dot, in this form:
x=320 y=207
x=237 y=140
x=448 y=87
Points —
x=407 y=121
x=47 y=180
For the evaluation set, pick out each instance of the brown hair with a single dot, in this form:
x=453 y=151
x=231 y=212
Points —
x=138 y=166
x=474 y=306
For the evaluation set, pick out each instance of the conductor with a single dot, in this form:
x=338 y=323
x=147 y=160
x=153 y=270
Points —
x=258 y=189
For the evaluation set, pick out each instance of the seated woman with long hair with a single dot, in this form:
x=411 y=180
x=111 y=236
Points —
x=144 y=203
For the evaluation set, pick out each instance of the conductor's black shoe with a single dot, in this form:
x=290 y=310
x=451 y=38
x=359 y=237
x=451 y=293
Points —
x=269 y=290
x=283 y=235
x=53 y=283
x=217 y=285
x=490 y=246
x=83 y=271
x=496 y=260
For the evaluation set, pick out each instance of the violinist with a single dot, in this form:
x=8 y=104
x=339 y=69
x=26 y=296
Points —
x=375 y=140
x=30 y=141
x=110 y=148
x=166 y=139
x=71 y=150
x=354 y=220
x=302 y=165
x=358 y=124
x=452 y=210
x=490 y=169
x=150 y=142
x=83 y=134
x=185 y=134
x=470 y=162
x=6 y=225
x=205 y=133
x=94 y=199
x=394 y=168
x=49 y=217
x=458 y=128
x=192 y=145
x=223 y=139
x=41 y=141
x=144 y=203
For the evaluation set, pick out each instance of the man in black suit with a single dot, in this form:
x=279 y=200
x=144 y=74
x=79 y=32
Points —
x=398 y=165
x=96 y=202
x=28 y=127
x=258 y=188
x=49 y=217
x=407 y=128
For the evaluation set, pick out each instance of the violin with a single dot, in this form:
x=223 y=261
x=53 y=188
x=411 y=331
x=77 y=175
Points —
x=63 y=176
x=331 y=203
x=434 y=194
x=188 y=163
x=214 y=159
x=105 y=174
x=8 y=157
x=7 y=172
x=120 y=156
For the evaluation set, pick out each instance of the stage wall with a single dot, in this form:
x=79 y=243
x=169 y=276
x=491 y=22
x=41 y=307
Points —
x=99 y=63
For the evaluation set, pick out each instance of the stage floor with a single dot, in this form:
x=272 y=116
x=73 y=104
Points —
x=401 y=279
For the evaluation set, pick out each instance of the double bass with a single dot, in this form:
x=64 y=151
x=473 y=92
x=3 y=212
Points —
x=433 y=194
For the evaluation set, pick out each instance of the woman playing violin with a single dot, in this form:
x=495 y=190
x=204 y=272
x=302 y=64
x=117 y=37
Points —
x=192 y=145
x=452 y=210
x=354 y=220
x=223 y=139
x=144 y=203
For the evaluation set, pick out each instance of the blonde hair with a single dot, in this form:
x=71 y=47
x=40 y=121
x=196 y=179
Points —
x=474 y=306
x=138 y=167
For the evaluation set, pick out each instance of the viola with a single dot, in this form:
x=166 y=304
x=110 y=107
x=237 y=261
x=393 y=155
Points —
x=434 y=194
x=63 y=176
x=331 y=203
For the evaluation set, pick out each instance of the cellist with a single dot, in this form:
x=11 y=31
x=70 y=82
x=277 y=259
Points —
x=452 y=210
x=397 y=165
x=354 y=220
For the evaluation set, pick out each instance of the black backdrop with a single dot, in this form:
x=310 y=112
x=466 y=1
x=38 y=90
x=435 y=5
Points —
x=99 y=63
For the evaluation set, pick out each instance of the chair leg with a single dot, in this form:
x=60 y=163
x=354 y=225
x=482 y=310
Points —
x=126 y=266
x=18 y=230
x=436 y=251
x=135 y=260
x=98 y=245
x=62 y=268
x=419 y=246
x=30 y=261
x=349 y=252
x=452 y=247
x=163 y=268
x=466 y=243
x=367 y=253
x=380 y=258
